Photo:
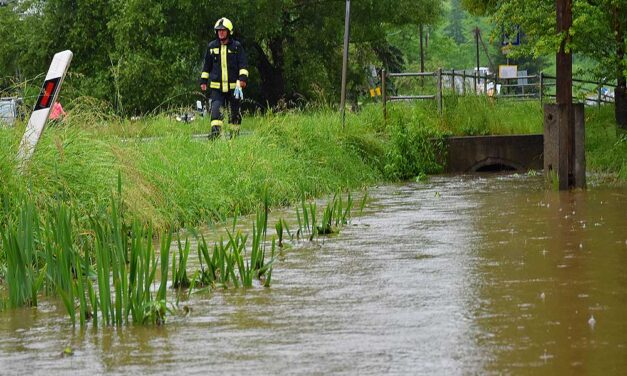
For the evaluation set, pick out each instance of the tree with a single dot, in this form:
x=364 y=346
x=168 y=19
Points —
x=598 y=32
x=145 y=54
x=455 y=28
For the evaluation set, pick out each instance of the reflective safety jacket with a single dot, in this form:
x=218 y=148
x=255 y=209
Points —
x=224 y=65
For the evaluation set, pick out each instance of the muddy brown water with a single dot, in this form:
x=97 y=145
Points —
x=461 y=275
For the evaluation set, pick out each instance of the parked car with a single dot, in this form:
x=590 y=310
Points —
x=9 y=110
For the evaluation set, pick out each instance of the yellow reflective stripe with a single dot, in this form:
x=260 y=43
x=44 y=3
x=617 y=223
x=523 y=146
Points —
x=243 y=72
x=378 y=91
x=372 y=92
x=215 y=85
x=225 y=69
x=204 y=75
x=217 y=122
x=215 y=51
x=232 y=86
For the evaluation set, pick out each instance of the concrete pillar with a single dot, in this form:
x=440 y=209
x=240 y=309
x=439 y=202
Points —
x=564 y=145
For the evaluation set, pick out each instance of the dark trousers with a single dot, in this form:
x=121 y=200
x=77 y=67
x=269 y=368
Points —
x=220 y=99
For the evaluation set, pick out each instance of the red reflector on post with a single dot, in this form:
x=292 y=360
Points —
x=47 y=93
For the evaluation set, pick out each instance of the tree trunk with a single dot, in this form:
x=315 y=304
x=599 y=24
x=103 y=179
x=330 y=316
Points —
x=620 y=97
x=620 y=94
x=564 y=60
x=271 y=72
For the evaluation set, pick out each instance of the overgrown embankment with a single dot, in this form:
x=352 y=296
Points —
x=170 y=178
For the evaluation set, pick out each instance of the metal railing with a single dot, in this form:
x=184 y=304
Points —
x=437 y=96
x=523 y=87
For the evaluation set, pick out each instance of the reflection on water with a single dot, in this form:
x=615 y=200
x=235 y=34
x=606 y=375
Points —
x=462 y=275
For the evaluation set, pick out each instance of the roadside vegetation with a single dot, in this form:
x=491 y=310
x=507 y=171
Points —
x=100 y=193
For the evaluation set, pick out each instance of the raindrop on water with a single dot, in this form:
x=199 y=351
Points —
x=546 y=356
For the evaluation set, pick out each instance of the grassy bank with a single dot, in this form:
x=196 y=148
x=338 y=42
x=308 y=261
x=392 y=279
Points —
x=174 y=179
x=171 y=178
x=606 y=148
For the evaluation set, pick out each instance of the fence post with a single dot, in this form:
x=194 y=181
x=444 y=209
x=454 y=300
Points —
x=384 y=95
x=439 y=99
x=541 y=88
x=485 y=84
x=599 y=90
x=453 y=81
x=464 y=82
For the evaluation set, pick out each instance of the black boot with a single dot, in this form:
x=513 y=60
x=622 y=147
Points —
x=215 y=132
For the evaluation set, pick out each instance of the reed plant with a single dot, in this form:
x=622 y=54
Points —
x=128 y=263
x=24 y=276
x=179 y=270
x=230 y=263
x=335 y=215
x=48 y=252
x=65 y=267
x=282 y=227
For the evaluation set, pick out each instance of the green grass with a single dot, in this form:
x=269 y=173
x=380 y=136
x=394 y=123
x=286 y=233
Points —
x=606 y=147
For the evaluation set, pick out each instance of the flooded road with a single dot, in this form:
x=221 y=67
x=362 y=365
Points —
x=461 y=275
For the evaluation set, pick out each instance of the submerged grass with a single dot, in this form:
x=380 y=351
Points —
x=231 y=264
x=335 y=215
x=107 y=269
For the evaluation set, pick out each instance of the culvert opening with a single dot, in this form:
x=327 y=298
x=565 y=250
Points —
x=497 y=167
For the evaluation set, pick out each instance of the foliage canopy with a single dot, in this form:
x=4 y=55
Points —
x=144 y=54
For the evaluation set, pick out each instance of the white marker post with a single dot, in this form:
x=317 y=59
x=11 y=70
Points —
x=47 y=98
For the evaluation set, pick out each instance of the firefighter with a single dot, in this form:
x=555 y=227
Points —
x=225 y=74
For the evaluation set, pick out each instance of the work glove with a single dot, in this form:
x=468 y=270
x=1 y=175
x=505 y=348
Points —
x=238 y=94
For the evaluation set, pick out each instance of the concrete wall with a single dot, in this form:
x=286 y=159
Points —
x=519 y=152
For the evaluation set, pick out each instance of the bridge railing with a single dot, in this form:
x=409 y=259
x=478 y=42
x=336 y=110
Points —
x=462 y=82
x=584 y=91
